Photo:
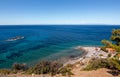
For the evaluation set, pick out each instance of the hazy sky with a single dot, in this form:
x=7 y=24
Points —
x=59 y=11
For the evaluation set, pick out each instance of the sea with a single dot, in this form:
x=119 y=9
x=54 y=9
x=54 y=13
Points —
x=48 y=42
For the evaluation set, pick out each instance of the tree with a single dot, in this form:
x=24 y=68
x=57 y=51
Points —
x=114 y=41
x=106 y=43
x=116 y=36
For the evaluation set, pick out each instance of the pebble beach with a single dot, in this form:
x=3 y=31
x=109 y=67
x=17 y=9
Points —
x=90 y=52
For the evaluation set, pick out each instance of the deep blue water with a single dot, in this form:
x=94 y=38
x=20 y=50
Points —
x=48 y=42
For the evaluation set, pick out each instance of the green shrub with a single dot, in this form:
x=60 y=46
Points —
x=66 y=70
x=54 y=67
x=112 y=64
x=109 y=55
x=45 y=67
x=96 y=64
x=18 y=66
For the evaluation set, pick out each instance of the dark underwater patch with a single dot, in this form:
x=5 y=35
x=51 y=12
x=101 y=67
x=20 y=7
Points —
x=13 y=55
x=9 y=46
x=2 y=61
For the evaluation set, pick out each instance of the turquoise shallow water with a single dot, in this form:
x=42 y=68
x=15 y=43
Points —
x=48 y=42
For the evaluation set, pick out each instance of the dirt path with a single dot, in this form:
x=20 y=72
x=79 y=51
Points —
x=77 y=73
x=95 y=73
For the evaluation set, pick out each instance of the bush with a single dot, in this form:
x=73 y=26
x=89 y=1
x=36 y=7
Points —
x=52 y=68
x=55 y=67
x=96 y=64
x=112 y=64
x=109 y=55
x=66 y=70
x=45 y=67
x=18 y=67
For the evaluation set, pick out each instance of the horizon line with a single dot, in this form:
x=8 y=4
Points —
x=54 y=24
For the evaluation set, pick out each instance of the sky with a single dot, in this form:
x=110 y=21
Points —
x=17 y=12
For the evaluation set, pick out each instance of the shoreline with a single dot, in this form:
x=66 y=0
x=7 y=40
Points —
x=77 y=59
x=85 y=56
x=89 y=53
